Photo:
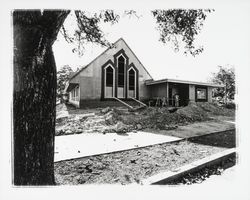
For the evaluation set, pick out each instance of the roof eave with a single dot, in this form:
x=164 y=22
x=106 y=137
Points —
x=183 y=82
x=70 y=86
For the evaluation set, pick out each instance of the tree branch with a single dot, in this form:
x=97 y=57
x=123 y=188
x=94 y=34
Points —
x=53 y=21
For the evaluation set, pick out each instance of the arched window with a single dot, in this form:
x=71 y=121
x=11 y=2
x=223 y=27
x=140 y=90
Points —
x=132 y=83
x=109 y=76
x=121 y=76
x=109 y=82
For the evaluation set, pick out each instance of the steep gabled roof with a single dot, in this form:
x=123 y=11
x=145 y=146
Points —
x=136 y=57
x=121 y=39
x=76 y=72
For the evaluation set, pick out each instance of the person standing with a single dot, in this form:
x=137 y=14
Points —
x=176 y=98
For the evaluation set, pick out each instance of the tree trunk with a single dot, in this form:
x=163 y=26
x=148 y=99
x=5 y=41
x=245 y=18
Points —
x=34 y=97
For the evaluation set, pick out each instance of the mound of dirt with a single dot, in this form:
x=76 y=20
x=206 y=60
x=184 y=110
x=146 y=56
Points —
x=122 y=120
x=215 y=109
x=84 y=123
x=193 y=112
x=161 y=118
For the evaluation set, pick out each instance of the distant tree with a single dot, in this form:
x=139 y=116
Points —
x=34 y=96
x=225 y=76
x=62 y=78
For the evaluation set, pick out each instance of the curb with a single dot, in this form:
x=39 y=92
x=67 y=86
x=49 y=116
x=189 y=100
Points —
x=165 y=177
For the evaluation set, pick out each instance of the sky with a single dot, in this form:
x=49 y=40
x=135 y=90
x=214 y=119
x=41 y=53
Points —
x=218 y=37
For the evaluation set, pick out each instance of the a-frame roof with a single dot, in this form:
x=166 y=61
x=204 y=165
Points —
x=121 y=39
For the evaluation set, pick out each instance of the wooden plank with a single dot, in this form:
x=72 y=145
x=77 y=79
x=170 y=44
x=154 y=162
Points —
x=123 y=103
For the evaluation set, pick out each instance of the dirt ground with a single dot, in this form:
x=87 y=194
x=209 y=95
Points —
x=217 y=124
x=120 y=120
x=135 y=165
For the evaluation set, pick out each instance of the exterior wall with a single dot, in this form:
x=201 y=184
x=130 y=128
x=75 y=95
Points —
x=192 y=93
x=144 y=92
x=209 y=94
x=90 y=78
x=76 y=79
x=159 y=90
x=87 y=88
x=75 y=102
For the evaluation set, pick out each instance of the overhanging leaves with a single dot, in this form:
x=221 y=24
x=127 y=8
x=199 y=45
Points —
x=88 y=28
x=175 y=25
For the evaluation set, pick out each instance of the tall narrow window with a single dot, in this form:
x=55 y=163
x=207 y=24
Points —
x=73 y=94
x=77 y=94
x=121 y=78
x=121 y=64
x=131 y=80
x=109 y=77
x=131 y=83
x=109 y=82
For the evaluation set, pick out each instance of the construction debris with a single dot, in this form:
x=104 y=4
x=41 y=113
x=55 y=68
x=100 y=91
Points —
x=122 y=120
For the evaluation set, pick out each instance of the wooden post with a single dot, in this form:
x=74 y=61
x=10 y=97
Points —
x=167 y=94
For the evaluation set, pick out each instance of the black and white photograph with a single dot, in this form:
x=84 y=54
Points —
x=106 y=97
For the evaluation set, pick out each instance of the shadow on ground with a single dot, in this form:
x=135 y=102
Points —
x=225 y=139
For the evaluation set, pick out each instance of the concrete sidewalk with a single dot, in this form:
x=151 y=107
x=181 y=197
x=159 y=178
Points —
x=88 y=144
x=76 y=146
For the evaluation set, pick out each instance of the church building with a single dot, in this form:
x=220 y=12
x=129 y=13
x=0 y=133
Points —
x=117 y=75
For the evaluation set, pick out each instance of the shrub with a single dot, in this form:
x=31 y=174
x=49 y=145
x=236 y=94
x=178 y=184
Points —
x=230 y=105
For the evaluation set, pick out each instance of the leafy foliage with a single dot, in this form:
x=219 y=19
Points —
x=175 y=25
x=62 y=77
x=88 y=28
x=225 y=76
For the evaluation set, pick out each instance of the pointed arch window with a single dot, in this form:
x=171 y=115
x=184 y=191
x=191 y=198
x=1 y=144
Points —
x=121 y=76
x=109 y=82
x=132 y=83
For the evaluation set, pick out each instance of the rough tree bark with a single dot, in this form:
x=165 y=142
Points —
x=34 y=96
